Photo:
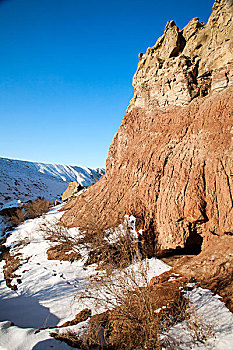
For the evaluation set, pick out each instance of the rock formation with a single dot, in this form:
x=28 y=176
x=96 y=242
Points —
x=170 y=163
x=73 y=188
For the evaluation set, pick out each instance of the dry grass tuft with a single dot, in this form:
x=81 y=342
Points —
x=29 y=210
x=36 y=208
x=64 y=247
x=18 y=217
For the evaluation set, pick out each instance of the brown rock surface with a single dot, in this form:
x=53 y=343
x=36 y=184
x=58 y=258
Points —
x=170 y=163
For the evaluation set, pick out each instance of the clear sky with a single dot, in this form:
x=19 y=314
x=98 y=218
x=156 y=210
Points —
x=66 y=69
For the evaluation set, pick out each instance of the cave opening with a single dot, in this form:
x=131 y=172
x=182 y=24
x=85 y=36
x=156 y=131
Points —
x=191 y=248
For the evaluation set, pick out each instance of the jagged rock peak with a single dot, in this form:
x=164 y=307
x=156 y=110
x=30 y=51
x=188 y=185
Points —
x=187 y=63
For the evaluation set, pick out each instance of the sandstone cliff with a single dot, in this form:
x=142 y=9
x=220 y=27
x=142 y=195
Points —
x=170 y=163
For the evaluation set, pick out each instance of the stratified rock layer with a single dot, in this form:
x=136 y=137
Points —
x=170 y=163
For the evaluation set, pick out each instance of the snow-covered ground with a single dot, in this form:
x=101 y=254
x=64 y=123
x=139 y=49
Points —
x=46 y=296
x=22 y=180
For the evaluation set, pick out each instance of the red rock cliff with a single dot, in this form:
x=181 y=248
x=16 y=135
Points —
x=170 y=163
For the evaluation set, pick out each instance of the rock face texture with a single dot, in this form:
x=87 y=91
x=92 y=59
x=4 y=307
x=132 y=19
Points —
x=170 y=163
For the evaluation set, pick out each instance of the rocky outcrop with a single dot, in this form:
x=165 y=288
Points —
x=170 y=163
x=185 y=64
x=73 y=188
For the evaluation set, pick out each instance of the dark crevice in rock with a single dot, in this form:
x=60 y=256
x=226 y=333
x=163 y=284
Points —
x=194 y=241
x=204 y=83
x=181 y=42
x=192 y=245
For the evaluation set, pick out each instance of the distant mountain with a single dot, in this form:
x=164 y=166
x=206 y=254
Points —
x=22 y=180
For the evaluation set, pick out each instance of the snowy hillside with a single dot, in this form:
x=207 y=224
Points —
x=83 y=175
x=22 y=180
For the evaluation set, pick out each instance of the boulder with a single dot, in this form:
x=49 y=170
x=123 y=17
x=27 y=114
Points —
x=73 y=188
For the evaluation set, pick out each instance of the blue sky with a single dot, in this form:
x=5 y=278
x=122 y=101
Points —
x=66 y=69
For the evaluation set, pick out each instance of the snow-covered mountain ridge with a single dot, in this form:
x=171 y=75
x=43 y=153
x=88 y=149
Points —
x=22 y=180
x=83 y=175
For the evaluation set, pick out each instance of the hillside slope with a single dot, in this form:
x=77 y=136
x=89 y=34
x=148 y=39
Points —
x=22 y=180
x=83 y=175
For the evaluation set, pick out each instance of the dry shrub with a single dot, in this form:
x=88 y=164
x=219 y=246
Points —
x=18 y=217
x=30 y=210
x=137 y=318
x=36 y=208
x=63 y=245
x=113 y=246
x=132 y=322
x=12 y=263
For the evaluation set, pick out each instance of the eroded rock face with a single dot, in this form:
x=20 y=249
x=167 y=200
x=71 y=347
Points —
x=170 y=163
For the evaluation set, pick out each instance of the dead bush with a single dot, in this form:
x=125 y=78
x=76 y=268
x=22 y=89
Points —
x=63 y=253
x=132 y=322
x=64 y=246
x=18 y=217
x=12 y=262
x=37 y=207
x=137 y=317
x=68 y=337
x=113 y=246
x=30 y=210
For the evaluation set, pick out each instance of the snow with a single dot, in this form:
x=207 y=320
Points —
x=48 y=293
x=129 y=223
x=68 y=173
x=211 y=311
x=16 y=338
